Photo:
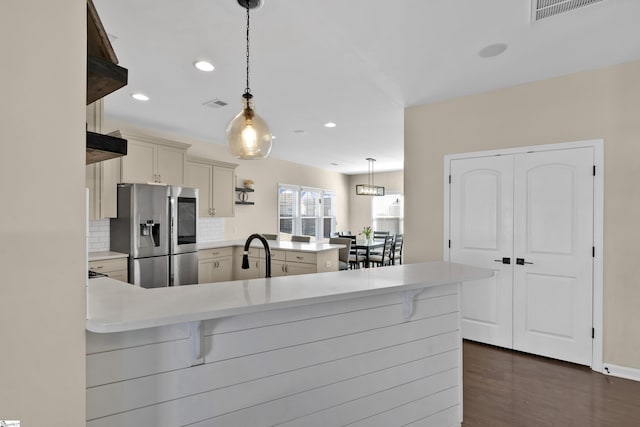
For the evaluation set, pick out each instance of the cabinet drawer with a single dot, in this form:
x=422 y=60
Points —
x=278 y=255
x=215 y=253
x=253 y=252
x=107 y=265
x=304 y=257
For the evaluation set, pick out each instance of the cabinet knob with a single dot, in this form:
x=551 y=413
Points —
x=214 y=211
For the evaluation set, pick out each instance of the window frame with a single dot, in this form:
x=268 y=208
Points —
x=297 y=218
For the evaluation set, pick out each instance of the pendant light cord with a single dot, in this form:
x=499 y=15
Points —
x=247 y=90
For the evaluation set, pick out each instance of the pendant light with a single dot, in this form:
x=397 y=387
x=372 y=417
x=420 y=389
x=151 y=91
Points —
x=369 y=189
x=248 y=135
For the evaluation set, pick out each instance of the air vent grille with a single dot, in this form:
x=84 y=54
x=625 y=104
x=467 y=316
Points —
x=542 y=9
x=215 y=103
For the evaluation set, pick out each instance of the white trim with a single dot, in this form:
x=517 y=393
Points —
x=598 y=224
x=621 y=372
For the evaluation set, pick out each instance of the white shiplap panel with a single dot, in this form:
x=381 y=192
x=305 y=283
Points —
x=340 y=359
x=97 y=343
x=418 y=411
x=446 y=418
x=322 y=398
x=294 y=314
x=135 y=362
x=257 y=340
x=379 y=403
x=198 y=407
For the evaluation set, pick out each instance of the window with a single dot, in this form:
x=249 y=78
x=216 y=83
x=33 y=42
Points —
x=388 y=213
x=306 y=211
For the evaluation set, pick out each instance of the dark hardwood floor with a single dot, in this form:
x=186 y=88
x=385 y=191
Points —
x=507 y=388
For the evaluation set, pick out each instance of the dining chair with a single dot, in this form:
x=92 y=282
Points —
x=396 y=252
x=379 y=235
x=385 y=257
x=302 y=239
x=343 y=254
x=270 y=236
x=356 y=258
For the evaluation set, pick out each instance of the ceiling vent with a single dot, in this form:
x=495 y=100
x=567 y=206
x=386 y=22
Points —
x=215 y=103
x=541 y=9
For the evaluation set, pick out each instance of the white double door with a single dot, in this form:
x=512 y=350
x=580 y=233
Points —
x=529 y=217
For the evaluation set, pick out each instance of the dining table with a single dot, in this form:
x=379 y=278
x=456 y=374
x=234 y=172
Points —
x=367 y=245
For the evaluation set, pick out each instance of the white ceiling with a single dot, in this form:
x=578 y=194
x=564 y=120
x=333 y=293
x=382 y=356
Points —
x=357 y=63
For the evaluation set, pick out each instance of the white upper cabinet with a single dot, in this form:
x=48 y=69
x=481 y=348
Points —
x=151 y=159
x=216 y=182
x=101 y=177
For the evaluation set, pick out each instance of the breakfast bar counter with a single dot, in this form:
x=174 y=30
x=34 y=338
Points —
x=369 y=347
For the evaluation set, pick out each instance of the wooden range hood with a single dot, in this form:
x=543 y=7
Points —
x=103 y=77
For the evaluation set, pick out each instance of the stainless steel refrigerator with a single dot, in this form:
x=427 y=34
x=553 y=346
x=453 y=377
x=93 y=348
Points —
x=157 y=226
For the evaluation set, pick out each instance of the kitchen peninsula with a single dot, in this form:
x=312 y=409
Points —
x=221 y=261
x=370 y=347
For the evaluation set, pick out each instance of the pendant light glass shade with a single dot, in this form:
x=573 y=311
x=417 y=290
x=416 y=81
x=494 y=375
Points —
x=248 y=136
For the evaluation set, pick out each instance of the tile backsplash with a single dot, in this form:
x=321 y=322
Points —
x=209 y=230
x=99 y=235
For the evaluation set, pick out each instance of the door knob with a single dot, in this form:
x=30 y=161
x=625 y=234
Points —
x=521 y=261
x=504 y=260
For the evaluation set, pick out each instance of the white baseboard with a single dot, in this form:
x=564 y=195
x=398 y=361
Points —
x=621 y=371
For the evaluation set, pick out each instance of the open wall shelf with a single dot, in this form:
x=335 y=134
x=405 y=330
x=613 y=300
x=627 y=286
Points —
x=243 y=196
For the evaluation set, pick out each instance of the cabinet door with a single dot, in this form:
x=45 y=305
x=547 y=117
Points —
x=295 y=268
x=119 y=275
x=278 y=268
x=109 y=178
x=199 y=175
x=223 y=269
x=223 y=191
x=205 y=271
x=138 y=164
x=170 y=165
x=92 y=183
x=254 y=269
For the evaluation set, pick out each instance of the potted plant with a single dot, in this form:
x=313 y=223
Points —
x=367 y=231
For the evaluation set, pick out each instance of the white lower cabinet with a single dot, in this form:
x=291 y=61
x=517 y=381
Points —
x=290 y=263
x=256 y=264
x=114 y=268
x=215 y=265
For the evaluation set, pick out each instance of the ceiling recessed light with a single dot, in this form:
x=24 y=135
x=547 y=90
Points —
x=204 y=66
x=492 y=50
x=140 y=96
x=330 y=125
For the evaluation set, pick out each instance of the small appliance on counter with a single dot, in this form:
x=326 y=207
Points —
x=157 y=226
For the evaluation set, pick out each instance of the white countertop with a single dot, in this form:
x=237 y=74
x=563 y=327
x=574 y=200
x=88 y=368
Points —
x=274 y=244
x=102 y=255
x=115 y=306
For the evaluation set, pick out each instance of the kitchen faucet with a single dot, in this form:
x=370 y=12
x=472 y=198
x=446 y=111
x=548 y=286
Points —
x=245 y=257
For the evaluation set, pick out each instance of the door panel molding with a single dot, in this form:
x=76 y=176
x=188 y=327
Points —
x=598 y=223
